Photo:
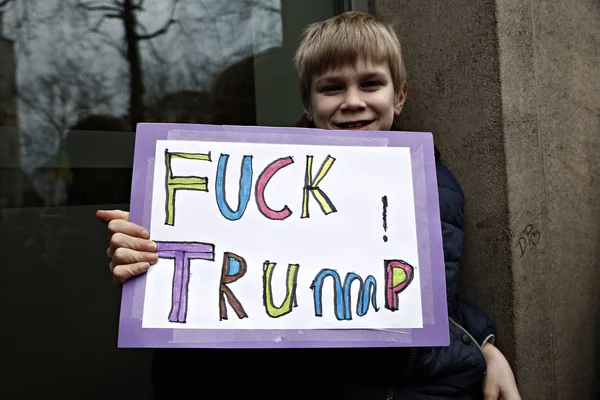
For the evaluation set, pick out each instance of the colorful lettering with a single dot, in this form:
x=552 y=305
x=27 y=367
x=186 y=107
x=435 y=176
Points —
x=312 y=186
x=182 y=253
x=338 y=297
x=367 y=289
x=244 y=190
x=261 y=184
x=342 y=297
x=398 y=275
x=234 y=267
x=175 y=183
x=290 y=300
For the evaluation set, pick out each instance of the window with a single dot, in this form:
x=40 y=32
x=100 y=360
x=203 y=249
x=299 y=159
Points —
x=75 y=77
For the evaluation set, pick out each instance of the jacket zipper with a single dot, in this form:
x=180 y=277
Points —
x=390 y=394
x=412 y=358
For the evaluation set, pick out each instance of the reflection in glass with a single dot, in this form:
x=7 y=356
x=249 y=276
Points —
x=72 y=68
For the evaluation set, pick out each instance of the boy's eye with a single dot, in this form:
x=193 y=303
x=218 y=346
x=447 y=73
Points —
x=332 y=88
x=372 y=84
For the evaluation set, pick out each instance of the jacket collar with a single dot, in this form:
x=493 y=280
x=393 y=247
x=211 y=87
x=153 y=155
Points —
x=304 y=122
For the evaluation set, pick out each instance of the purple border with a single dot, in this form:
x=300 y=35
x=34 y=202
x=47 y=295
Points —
x=433 y=283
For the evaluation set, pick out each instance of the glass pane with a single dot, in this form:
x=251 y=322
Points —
x=75 y=78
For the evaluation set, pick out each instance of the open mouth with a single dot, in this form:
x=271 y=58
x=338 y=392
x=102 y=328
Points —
x=353 y=125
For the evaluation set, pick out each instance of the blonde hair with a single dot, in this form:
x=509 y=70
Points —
x=344 y=40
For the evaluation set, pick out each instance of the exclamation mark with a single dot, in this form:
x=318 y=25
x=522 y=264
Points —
x=384 y=214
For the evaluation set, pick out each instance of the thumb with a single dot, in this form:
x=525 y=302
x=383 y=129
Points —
x=108 y=215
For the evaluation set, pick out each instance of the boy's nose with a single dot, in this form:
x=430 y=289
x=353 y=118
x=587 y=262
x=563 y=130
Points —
x=353 y=101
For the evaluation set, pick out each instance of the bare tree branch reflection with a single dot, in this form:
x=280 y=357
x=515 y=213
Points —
x=127 y=12
x=66 y=93
x=134 y=60
x=28 y=14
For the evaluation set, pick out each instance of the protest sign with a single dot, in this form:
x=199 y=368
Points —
x=286 y=237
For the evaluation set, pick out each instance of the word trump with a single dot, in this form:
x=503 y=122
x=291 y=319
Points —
x=311 y=186
x=398 y=275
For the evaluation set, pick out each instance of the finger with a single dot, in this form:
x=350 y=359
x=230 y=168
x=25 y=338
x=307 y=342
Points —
x=121 y=240
x=490 y=391
x=108 y=215
x=122 y=273
x=123 y=256
x=510 y=393
x=491 y=394
x=128 y=228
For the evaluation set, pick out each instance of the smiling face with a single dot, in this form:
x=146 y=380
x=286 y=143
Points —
x=359 y=96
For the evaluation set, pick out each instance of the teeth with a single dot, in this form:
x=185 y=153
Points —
x=355 y=125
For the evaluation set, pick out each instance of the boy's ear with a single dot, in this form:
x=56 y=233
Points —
x=401 y=98
x=307 y=111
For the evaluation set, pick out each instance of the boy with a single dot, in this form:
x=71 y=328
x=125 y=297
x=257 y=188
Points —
x=351 y=76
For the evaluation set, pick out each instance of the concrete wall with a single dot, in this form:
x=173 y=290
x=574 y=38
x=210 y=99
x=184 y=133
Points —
x=524 y=164
x=510 y=90
x=565 y=94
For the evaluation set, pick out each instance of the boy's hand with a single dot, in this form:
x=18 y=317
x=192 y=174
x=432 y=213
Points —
x=499 y=382
x=130 y=251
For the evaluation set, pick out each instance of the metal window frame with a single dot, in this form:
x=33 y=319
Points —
x=351 y=5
